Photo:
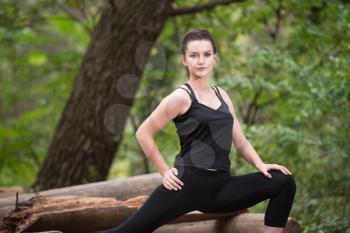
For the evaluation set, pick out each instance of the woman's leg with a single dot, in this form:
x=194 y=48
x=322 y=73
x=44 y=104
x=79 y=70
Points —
x=244 y=191
x=164 y=205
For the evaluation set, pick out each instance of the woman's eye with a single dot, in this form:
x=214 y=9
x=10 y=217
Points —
x=192 y=55
x=207 y=55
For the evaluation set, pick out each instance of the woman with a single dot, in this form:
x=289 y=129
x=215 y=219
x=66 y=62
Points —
x=200 y=179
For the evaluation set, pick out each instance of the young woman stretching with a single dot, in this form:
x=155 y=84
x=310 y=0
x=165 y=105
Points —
x=200 y=179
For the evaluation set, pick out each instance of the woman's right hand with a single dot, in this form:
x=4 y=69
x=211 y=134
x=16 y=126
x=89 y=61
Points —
x=170 y=180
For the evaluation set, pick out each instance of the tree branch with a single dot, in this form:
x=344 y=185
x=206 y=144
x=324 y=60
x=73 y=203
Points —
x=248 y=119
x=273 y=100
x=202 y=7
x=278 y=15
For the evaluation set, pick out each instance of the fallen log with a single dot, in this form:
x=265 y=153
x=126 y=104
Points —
x=82 y=214
x=121 y=189
x=10 y=191
x=242 y=223
x=67 y=212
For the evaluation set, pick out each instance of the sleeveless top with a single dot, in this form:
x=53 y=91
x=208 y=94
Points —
x=205 y=134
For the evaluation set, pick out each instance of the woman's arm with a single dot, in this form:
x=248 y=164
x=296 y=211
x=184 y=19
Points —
x=243 y=146
x=167 y=109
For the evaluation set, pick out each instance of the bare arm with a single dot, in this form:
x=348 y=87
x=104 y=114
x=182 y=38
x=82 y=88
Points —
x=243 y=146
x=168 y=109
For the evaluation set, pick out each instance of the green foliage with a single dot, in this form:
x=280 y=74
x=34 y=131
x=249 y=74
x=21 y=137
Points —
x=38 y=65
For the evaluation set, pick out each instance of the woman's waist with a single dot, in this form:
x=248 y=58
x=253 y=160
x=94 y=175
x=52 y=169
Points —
x=209 y=172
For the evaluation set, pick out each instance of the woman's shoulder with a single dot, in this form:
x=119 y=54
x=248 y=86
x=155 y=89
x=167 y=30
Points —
x=179 y=96
x=180 y=91
x=182 y=88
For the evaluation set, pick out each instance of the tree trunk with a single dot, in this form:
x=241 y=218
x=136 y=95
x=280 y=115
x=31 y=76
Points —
x=83 y=144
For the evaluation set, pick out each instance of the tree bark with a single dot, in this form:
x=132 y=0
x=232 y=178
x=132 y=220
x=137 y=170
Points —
x=82 y=147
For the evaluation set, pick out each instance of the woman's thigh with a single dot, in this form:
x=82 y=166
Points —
x=244 y=191
x=164 y=205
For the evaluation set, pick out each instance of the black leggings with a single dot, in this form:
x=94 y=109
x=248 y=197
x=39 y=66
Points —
x=214 y=191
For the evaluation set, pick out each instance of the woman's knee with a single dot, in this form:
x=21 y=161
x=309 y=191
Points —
x=283 y=180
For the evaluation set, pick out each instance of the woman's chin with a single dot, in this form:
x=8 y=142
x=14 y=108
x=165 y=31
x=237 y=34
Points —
x=202 y=73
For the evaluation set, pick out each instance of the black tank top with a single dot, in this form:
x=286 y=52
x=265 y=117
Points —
x=205 y=134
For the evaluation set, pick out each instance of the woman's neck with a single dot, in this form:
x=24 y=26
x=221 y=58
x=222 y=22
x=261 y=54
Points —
x=200 y=83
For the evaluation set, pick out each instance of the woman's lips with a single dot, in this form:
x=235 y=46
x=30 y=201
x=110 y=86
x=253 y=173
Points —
x=202 y=68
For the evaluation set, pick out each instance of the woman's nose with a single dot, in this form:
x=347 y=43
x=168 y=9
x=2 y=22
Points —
x=200 y=59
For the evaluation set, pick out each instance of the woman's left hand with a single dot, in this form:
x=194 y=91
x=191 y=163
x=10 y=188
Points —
x=266 y=166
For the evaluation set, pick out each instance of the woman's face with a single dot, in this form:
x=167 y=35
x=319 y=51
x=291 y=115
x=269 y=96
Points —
x=199 y=58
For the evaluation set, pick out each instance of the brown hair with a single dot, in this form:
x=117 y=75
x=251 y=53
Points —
x=197 y=34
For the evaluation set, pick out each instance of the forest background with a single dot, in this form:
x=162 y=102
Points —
x=285 y=65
